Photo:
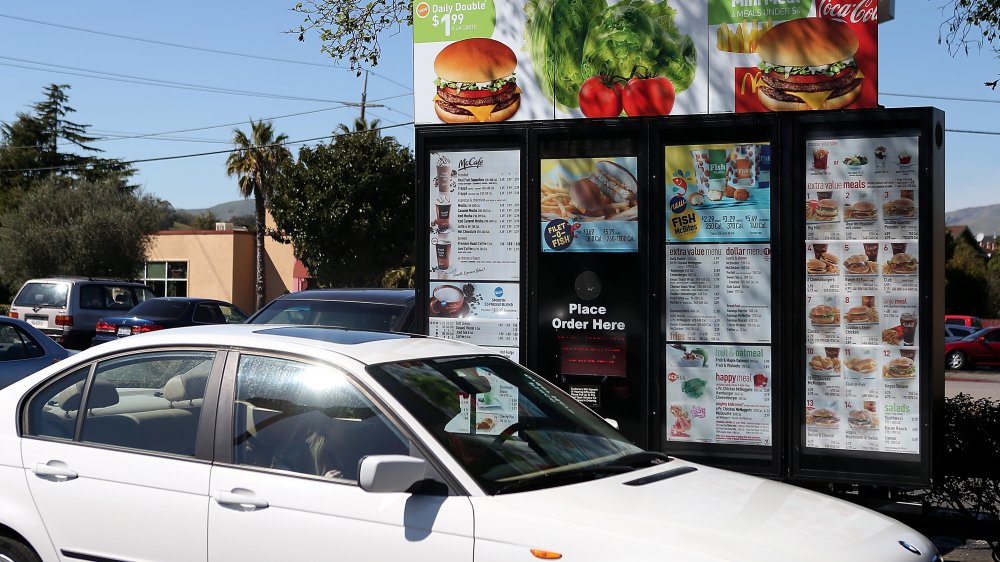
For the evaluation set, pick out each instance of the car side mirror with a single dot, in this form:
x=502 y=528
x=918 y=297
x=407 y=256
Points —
x=382 y=474
x=612 y=422
x=981 y=339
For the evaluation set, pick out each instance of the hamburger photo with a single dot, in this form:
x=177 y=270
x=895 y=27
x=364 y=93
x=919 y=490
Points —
x=608 y=188
x=862 y=211
x=899 y=368
x=862 y=419
x=858 y=315
x=826 y=209
x=823 y=314
x=475 y=82
x=858 y=264
x=823 y=417
x=816 y=267
x=902 y=264
x=899 y=208
x=808 y=64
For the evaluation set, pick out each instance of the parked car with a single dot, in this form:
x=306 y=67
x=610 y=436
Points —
x=954 y=332
x=963 y=320
x=978 y=348
x=67 y=308
x=387 y=310
x=167 y=312
x=24 y=350
x=253 y=442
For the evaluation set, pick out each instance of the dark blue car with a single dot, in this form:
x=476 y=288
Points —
x=167 y=312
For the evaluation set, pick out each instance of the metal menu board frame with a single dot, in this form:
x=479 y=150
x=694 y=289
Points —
x=870 y=394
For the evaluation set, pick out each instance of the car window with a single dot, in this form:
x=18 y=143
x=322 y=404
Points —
x=50 y=295
x=150 y=401
x=976 y=335
x=307 y=419
x=507 y=427
x=232 y=314
x=993 y=336
x=52 y=412
x=15 y=344
x=108 y=296
x=160 y=308
x=337 y=314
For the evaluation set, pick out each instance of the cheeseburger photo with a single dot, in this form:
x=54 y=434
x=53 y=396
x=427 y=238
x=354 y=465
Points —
x=475 y=82
x=808 y=63
x=863 y=211
x=902 y=264
x=900 y=368
x=823 y=314
x=826 y=209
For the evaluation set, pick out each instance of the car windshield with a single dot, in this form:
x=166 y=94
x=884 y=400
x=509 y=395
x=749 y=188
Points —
x=52 y=295
x=976 y=335
x=337 y=314
x=511 y=430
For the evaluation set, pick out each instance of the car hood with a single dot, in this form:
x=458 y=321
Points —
x=703 y=515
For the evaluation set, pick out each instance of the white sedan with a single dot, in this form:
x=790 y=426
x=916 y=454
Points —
x=247 y=442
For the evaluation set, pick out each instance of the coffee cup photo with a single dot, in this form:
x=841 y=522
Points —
x=447 y=300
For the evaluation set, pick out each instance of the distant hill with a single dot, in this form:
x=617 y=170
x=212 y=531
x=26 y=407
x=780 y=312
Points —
x=984 y=219
x=226 y=211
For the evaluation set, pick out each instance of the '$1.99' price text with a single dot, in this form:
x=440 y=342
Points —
x=448 y=21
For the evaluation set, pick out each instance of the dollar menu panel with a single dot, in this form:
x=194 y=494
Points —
x=755 y=291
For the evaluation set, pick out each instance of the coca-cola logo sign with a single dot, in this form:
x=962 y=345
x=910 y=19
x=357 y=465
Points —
x=853 y=12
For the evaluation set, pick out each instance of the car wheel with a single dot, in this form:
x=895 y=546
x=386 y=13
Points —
x=956 y=360
x=13 y=550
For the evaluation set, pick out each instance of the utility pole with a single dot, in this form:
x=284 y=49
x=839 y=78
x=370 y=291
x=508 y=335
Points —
x=364 y=96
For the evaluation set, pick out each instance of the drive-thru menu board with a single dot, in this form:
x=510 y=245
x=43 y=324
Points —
x=862 y=290
x=475 y=247
x=718 y=295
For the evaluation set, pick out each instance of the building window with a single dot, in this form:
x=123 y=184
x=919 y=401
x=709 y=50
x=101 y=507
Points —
x=167 y=278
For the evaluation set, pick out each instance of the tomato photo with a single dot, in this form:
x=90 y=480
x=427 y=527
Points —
x=601 y=96
x=648 y=96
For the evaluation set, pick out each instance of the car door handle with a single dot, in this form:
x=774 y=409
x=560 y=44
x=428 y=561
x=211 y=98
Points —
x=55 y=471
x=239 y=499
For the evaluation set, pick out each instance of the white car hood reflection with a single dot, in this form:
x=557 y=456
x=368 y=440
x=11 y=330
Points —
x=707 y=514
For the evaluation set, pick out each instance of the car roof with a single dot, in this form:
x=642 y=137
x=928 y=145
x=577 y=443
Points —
x=377 y=296
x=78 y=279
x=362 y=346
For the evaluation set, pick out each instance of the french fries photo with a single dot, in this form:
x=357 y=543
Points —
x=745 y=37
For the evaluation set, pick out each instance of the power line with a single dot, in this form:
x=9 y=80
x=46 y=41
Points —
x=946 y=98
x=203 y=49
x=197 y=154
x=115 y=77
x=126 y=135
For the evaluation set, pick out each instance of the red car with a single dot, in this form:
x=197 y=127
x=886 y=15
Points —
x=979 y=348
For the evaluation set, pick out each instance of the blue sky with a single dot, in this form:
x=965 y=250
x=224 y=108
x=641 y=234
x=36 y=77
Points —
x=912 y=63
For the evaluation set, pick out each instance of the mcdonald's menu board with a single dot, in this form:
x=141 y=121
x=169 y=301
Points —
x=718 y=294
x=475 y=244
x=861 y=258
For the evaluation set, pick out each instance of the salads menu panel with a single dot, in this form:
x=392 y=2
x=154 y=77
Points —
x=861 y=258
x=475 y=247
x=718 y=294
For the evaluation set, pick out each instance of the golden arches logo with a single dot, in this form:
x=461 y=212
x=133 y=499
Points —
x=755 y=82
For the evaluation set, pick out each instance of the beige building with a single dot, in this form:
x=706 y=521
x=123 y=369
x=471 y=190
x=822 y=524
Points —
x=219 y=264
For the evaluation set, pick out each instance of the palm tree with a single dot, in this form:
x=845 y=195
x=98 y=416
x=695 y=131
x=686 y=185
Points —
x=256 y=162
x=360 y=124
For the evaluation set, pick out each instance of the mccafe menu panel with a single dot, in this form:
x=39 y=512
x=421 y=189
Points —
x=718 y=293
x=862 y=292
x=475 y=245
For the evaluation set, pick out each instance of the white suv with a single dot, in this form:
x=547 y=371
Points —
x=67 y=308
